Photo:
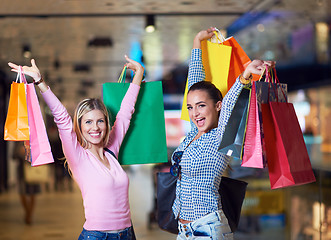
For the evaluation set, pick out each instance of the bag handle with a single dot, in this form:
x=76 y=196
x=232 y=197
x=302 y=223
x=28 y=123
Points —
x=20 y=76
x=268 y=75
x=121 y=79
x=271 y=74
x=218 y=37
x=277 y=82
x=264 y=69
x=269 y=80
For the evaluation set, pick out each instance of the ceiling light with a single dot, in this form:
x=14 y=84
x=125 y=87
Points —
x=260 y=27
x=26 y=51
x=150 y=23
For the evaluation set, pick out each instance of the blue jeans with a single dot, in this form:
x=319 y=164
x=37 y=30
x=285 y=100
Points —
x=125 y=234
x=212 y=226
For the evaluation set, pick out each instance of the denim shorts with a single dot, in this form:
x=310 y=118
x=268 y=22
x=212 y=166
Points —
x=212 y=226
x=125 y=234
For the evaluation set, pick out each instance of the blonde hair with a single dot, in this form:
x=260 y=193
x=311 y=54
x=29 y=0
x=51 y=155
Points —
x=84 y=107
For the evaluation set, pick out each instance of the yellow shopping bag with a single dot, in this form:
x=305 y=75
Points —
x=216 y=61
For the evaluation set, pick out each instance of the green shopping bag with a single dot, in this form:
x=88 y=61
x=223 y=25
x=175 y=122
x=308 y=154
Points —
x=145 y=141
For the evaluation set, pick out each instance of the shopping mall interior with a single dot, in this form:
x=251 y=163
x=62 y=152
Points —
x=80 y=44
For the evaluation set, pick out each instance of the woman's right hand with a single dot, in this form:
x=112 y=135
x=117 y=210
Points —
x=203 y=35
x=32 y=71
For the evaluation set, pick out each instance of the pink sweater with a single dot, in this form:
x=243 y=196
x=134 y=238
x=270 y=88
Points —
x=104 y=191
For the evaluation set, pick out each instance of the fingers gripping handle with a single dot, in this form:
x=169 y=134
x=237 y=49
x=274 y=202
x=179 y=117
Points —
x=20 y=77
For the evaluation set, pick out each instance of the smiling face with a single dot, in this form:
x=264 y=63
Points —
x=94 y=127
x=203 y=111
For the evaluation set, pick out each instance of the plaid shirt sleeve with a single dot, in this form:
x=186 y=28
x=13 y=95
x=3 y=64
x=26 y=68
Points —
x=196 y=73
x=228 y=103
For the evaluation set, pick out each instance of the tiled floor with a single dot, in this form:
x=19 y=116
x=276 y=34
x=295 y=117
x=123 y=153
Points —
x=59 y=215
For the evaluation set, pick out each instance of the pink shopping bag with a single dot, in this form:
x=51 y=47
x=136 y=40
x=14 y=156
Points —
x=39 y=144
x=252 y=154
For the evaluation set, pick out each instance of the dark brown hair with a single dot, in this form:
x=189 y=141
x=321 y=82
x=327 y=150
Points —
x=213 y=92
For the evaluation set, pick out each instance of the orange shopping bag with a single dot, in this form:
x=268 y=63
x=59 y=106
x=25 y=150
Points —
x=238 y=63
x=17 y=125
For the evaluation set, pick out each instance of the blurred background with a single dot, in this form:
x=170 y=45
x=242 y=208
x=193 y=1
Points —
x=80 y=44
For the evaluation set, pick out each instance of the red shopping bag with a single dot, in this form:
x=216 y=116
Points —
x=288 y=159
x=39 y=143
x=16 y=125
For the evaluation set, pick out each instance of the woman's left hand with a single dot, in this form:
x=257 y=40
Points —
x=137 y=68
x=257 y=67
x=133 y=65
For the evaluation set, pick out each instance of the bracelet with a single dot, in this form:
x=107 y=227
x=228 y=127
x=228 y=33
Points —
x=40 y=81
x=244 y=80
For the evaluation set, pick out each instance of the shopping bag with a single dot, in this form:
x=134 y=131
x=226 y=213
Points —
x=238 y=63
x=239 y=59
x=233 y=137
x=38 y=174
x=17 y=125
x=216 y=62
x=165 y=197
x=39 y=144
x=145 y=141
x=254 y=148
x=252 y=154
x=288 y=159
x=232 y=192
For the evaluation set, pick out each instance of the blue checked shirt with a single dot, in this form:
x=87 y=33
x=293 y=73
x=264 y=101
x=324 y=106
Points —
x=202 y=166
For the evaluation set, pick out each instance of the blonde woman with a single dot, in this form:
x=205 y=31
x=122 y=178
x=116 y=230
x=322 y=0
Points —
x=86 y=142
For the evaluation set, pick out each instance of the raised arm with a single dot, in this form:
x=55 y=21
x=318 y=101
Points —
x=255 y=67
x=61 y=116
x=196 y=72
x=123 y=117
